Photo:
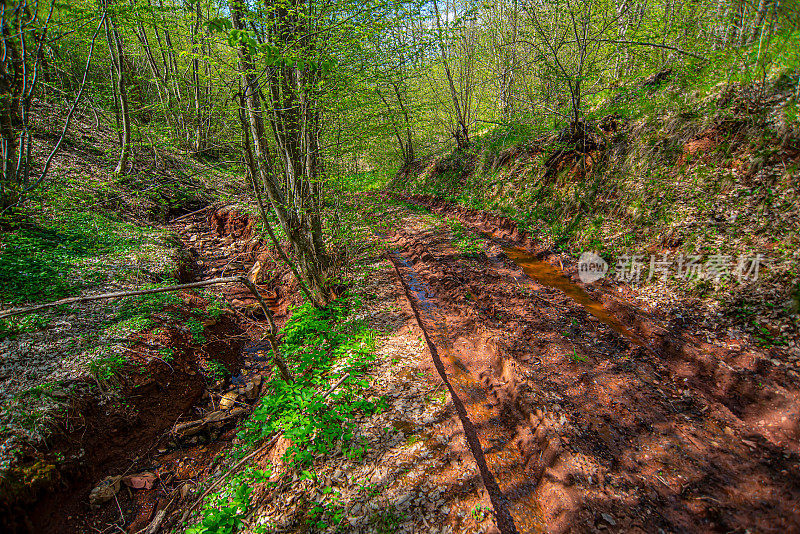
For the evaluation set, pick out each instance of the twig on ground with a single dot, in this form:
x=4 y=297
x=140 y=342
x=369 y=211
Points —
x=241 y=462
x=176 y=219
x=236 y=466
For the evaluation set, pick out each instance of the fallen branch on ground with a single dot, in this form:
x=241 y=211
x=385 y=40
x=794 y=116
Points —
x=284 y=370
x=117 y=294
x=187 y=215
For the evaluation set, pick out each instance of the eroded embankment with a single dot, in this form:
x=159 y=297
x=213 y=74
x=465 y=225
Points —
x=595 y=429
x=142 y=437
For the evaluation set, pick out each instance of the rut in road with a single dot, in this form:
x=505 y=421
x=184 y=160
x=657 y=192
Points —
x=581 y=426
x=511 y=495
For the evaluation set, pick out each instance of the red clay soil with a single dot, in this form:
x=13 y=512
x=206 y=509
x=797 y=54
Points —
x=222 y=244
x=230 y=221
x=585 y=429
x=121 y=434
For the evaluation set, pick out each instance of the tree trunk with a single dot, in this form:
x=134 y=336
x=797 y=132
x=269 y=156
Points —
x=198 y=119
x=115 y=50
x=462 y=131
x=294 y=127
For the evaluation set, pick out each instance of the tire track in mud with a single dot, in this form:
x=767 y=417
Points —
x=504 y=471
x=666 y=435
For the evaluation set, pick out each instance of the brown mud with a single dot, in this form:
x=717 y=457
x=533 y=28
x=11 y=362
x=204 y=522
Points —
x=546 y=274
x=134 y=427
x=582 y=427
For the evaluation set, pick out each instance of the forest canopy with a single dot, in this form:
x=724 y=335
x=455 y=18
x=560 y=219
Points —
x=302 y=94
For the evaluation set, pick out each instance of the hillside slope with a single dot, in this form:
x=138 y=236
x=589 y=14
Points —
x=661 y=170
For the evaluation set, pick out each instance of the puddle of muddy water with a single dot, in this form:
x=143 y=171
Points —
x=547 y=275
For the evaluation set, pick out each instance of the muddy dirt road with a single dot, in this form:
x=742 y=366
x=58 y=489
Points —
x=586 y=412
x=518 y=400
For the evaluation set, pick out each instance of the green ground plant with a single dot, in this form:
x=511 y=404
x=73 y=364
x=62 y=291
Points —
x=465 y=240
x=13 y=326
x=314 y=340
x=223 y=511
x=216 y=370
x=196 y=329
x=107 y=366
x=321 y=346
x=49 y=260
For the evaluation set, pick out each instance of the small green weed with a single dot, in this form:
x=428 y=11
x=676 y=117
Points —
x=326 y=513
x=197 y=330
x=107 y=366
x=387 y=522
x=578 y=357
x=465 y=240
x=223 y=512
x=13 y=326
x=217 y=307
x=216 y=370
x=167 y=354
x=480 y=513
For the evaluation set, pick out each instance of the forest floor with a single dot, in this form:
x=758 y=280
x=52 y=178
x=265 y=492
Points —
x=511 y=396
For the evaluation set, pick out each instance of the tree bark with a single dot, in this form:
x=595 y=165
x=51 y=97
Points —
x=294 y=131
x=116 y=52
x=197 y=142
x=462 y=130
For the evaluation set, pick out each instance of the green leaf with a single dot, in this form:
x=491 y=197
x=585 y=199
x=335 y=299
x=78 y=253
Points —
x=218 y=24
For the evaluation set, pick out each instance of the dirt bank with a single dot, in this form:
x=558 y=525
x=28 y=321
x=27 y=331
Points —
x=162 y=415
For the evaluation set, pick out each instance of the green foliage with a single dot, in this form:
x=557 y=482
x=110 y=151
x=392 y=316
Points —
x=480 y=513
x=465 y=240
x=32 y=411
x=217 y=307
x=578 y=357
x=216 y=370
x=223 y=511
x=197 y=330
x=135 y=314
x=107 y=366
x=330 y=512
x=314 y=340
x=167 y=354
x=40 y=262
x=13 y=326
x=387 y=522
x=360 y=181
x=506 y=136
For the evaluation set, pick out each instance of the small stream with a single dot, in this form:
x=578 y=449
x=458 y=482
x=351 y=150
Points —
x=547 y=275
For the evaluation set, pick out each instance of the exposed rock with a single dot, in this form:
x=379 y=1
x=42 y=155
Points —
x=228 y=400
x=105 y=490
x=144 y=480
x=250 y=391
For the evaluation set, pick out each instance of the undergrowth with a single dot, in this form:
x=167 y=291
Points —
x=465 y=240
x=320 y=347
x=53 y=259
